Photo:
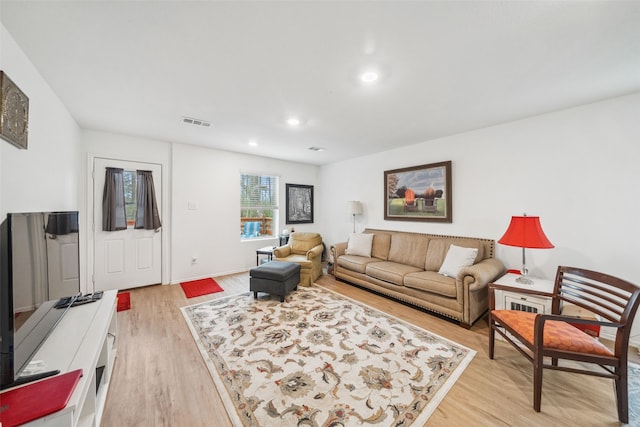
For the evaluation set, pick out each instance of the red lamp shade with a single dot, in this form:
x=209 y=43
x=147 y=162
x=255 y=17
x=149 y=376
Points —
x=525 y=232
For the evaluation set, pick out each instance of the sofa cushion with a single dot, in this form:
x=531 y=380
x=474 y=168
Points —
x=438 y=248
x=381 y=244
x=391 y=272
x=457 y=258
x=359 y=244
x=409 y=249
x=298 y=259
x=435 y=254
x=470 y=243
x=355 y=263
x=430 y=281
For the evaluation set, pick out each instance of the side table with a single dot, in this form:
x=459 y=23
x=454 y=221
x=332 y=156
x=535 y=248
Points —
x=267 y=251
x=512 y=299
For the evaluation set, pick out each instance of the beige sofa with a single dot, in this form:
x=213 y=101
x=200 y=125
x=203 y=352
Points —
x=304 y=249
x=405 y=266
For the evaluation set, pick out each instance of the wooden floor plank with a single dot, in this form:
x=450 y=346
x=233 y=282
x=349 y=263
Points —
x=160 y=378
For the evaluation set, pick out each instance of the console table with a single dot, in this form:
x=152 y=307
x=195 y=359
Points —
x=85 y=338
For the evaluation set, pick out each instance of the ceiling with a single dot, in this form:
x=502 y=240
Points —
x=446 y=67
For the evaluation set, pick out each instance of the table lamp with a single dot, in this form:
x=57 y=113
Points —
x=525 y=232
x=355 y=208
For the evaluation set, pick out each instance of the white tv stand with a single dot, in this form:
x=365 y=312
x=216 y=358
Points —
x=85 y=338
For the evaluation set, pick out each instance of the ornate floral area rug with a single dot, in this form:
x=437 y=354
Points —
x=320 y=359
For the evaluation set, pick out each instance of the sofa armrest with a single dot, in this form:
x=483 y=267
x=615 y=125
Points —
x=338 y=249
x=315 y=252
x=481 y=273
x=282 y=251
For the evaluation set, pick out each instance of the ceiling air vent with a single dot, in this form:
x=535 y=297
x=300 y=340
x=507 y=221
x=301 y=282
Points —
x=196 y=122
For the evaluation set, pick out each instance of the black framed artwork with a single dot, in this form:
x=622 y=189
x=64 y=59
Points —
x=299 y=204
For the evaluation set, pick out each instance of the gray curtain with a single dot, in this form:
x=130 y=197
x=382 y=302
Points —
x=113 y=213
x=61 y=223
x=147 y=209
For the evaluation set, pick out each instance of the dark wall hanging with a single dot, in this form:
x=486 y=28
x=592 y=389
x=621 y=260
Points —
x=14 y=113
x=299 y=204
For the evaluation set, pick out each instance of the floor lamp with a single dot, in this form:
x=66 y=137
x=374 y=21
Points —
x=355 y=208
x=525 y=232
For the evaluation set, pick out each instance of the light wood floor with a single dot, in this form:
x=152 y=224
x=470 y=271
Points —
x=160 y=378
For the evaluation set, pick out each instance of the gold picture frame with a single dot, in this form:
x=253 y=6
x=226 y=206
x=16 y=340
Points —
x=419 y=193
x=14 y=113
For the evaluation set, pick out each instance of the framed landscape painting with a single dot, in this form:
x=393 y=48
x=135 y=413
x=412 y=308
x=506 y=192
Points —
x=299 y=204
x=418 y=193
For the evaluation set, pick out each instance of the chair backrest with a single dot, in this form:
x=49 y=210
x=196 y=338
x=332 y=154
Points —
x=409 y=196
x=613 y=299
x=301 y=242
x=251 y=229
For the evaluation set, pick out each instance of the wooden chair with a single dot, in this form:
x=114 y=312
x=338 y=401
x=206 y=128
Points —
x=410 y=203
x=614 y=302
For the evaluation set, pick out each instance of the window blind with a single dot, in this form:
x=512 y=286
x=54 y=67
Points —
x=258 y=192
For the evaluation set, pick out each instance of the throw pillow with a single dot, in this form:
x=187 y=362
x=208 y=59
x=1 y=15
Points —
x=359 y=244
x=457 y=257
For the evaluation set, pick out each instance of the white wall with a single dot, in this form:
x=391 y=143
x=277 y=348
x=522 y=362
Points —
x=210 y=180
x=45 y=176
x=577 y=169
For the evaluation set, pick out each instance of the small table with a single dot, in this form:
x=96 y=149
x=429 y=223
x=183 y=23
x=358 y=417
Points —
x=513 y=300
x=267 y=250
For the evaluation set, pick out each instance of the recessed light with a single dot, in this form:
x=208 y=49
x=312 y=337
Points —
x=369 y=77
x=293 y=121
x=253 y=143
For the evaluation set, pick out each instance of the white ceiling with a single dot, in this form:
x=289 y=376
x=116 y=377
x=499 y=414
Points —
x=448 y=67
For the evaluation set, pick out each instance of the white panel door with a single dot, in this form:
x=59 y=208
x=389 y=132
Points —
x=126 y=258
x=62 y=267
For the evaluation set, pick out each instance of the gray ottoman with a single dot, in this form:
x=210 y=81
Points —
x=275 y=278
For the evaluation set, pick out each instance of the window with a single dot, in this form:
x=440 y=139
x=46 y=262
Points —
x=129 y=199
x=258 y=205
x=130 y=203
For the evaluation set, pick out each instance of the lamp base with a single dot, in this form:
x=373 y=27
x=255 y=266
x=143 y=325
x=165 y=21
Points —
x=524 y=280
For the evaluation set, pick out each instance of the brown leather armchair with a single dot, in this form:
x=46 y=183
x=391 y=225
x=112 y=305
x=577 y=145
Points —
x=304 y=249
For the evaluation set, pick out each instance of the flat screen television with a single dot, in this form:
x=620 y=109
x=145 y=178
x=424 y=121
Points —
x=39 y=260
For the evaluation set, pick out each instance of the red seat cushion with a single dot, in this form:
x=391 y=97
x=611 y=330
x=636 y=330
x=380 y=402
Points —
x=557 y=335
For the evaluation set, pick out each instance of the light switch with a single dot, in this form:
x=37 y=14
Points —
x=192 y=205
